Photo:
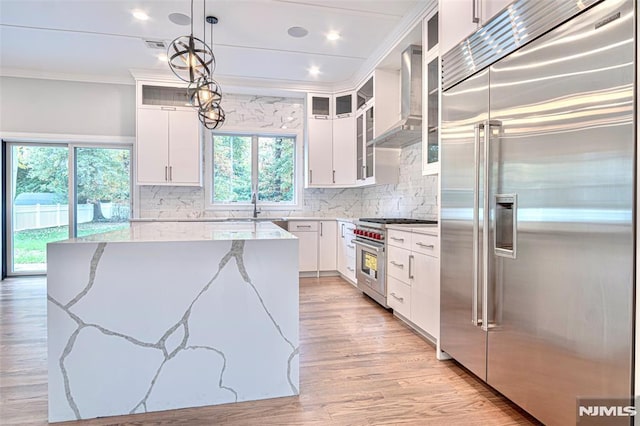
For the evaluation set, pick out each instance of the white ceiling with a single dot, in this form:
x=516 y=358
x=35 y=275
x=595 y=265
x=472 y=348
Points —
x=100 y=40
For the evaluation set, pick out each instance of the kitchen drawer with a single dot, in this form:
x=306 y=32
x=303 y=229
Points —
x=350 y=248
x=399 y=297
x=351 y=268
x=425 y=244
x=398 y=263
x=400 y=239
x=303 y=225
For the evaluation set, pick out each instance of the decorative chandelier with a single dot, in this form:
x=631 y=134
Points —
x=192 y=60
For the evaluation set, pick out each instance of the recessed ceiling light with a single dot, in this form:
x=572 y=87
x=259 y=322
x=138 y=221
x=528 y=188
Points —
x=284 y=126
x=162 y=57
x=297 y=32
x=179 y=18
x=139 y=14
x=333 y=35
x=289 y=118
x=314 y=70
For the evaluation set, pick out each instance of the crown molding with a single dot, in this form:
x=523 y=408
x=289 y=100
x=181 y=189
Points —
x=48 y=75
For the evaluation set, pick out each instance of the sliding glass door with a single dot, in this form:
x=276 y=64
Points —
x=43 y=180
x=102 y=190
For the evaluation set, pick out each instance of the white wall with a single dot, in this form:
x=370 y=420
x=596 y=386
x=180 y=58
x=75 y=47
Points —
x=52 y=106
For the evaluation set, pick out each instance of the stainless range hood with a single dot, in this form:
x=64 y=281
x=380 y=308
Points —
x=409 y=129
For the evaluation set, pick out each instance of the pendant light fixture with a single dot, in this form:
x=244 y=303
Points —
x=189 y=57
x=192 y=60
x=212 y=117
x=206 y=94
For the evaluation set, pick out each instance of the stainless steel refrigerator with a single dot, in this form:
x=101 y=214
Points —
x=537 y=169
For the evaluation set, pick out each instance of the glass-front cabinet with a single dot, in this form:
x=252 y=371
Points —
x=431 y=88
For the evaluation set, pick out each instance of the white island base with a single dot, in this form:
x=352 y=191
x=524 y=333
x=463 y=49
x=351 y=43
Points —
x=163 y=316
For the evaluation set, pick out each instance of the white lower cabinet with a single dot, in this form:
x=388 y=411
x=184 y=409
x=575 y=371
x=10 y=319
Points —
x=413 y=285
x=399 y=296
x=346 y=258
x=317 y=244
x=307 y=233
x=425 y=293
x=327 y=245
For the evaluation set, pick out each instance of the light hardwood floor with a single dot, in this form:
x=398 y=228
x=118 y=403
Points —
x=358 y=366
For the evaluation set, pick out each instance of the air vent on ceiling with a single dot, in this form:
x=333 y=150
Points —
x=155 y=44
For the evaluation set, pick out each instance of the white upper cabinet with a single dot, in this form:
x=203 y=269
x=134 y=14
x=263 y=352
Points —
x=168 y=142
x=331 y=143
x=378 y=108
x=320 y=152
x=460 y=18
x=430 y=96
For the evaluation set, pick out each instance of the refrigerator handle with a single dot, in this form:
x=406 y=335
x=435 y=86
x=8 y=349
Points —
x=487 y=205
x=475 y=318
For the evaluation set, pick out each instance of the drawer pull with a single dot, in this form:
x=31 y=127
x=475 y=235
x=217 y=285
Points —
x=351 y=269
x=399 y=265
x=351 y=246
x=397 y=239
x=425 y=245
x=303 y=226
x=399 y=299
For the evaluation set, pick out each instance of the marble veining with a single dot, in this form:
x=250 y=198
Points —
x=175 y=341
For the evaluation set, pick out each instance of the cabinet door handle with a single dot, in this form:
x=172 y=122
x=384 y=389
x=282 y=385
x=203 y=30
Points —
x=170 y=173
x=351 y=269
x=397 y=239
x=475 y=18
x=342 y=230
x=310 y=176
x=166 y=173
x=321 y=229
x=399 y=299
x=334 y=176
x=351 y=246
x=410 y=268
x=394 y=263
x=425 y=245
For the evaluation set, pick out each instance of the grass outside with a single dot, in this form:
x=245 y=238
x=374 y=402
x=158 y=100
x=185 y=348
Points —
x=30 y=245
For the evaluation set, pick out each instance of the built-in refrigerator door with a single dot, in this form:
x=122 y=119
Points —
x=464 y=112
x=562 y=217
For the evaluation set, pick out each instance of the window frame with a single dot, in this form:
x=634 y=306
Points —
x=262 y=205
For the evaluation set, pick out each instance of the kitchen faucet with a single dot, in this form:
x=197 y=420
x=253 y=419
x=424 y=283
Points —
x=254 y=201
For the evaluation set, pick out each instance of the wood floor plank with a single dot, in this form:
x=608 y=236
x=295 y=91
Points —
x=359 y=365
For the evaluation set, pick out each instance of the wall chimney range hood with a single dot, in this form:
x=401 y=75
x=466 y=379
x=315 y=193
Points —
x=408 y=130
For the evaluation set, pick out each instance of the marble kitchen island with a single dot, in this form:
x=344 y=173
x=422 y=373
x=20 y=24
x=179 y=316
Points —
x=167 y=315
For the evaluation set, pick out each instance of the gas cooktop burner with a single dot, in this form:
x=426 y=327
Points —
x=389 y=221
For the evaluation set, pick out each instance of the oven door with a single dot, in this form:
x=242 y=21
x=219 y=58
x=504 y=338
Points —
x=370 y=270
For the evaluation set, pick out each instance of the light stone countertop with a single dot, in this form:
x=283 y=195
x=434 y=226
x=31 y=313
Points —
x=188 y=231
x=231 y=218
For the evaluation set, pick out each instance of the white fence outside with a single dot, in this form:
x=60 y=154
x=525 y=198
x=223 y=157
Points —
x=45 y=216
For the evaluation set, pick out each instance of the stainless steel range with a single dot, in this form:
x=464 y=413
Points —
x=371 y=247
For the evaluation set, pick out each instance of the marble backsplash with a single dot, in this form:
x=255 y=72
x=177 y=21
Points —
x=161 y=202
x=413 y=196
